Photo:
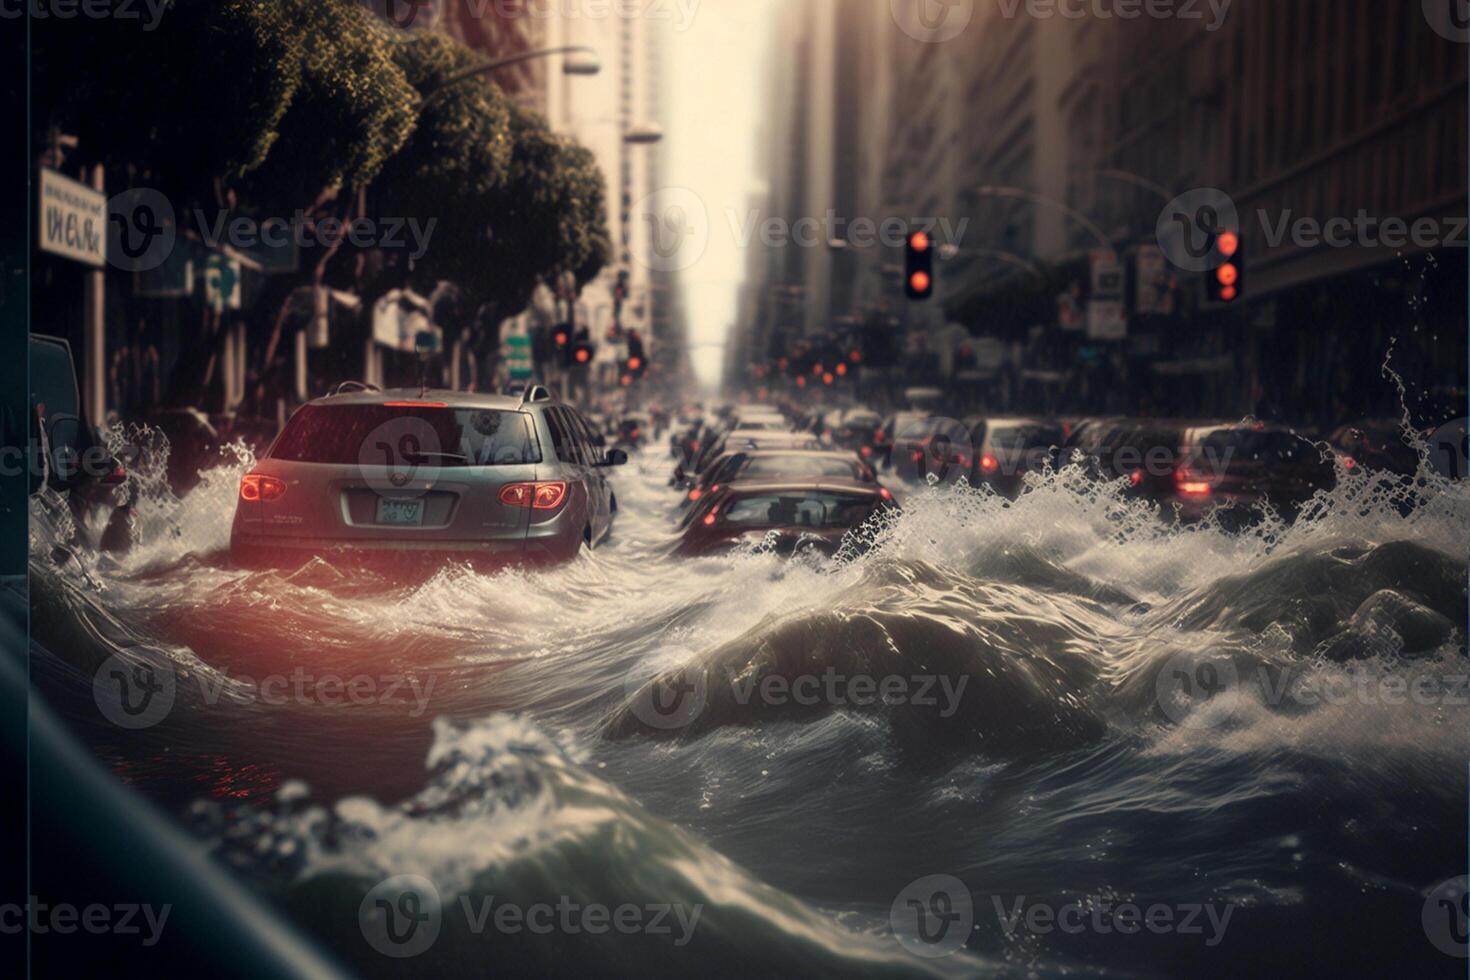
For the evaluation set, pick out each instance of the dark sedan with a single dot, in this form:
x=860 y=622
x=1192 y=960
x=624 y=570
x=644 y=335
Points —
x=801 y=514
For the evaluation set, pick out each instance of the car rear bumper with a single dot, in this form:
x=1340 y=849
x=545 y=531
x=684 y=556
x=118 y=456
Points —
x=271 y=551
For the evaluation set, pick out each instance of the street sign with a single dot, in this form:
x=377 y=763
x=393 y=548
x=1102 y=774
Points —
x=1107 y=275
x=222 y=283
x=1106 y=320
x=518 y=359
x=73 y=219
x=1154 y=297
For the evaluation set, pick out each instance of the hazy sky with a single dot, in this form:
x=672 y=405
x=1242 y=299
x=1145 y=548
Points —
x=715 y=86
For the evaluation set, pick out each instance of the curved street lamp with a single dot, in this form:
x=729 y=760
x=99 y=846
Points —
x=585 y=65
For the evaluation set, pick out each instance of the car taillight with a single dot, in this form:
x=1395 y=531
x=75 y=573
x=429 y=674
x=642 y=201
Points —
x=867 y=451
x=988 y=463
x=694 y=445
x=885 y=493
x=1349 y=463
x=695 y=494
x=709 y=519
x=1135 y=478
x=257 y=486
x=715 y=488
x=1190 y=484
x=537 y=496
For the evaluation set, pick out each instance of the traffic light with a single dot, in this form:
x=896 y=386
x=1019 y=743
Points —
x=583 y=352
x=918 y=266
x=561 y=343
x=1225 y=283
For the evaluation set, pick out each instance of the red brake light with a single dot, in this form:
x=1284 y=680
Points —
x=255 y=486
x=709 y=519
x=715 y=488
x=1190 y=484
x=885 y=493
x=415 y=404
x=988 y=463
x=867 y=451
x=695 y=494
x=537 y=496
x=1135 y=478
x=1349 y=463
x=549 y=496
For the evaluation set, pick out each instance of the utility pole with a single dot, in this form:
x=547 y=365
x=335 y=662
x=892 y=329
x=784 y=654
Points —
x=94 y=330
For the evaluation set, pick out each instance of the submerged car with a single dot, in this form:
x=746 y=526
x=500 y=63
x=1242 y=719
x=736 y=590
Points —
x=437 y=475
x=788 y=515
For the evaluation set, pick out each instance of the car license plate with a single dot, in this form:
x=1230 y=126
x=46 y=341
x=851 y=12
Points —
x=400 y=511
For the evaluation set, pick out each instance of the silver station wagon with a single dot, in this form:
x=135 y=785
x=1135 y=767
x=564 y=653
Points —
x=435 y=476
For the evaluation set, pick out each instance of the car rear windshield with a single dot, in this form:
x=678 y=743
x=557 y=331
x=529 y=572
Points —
x=1253 y=445
x=1025 y=436
x=799 y=510
x=776 y=466
x=388 y=434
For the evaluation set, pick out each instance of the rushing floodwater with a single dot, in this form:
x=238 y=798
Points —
x=1257 y=741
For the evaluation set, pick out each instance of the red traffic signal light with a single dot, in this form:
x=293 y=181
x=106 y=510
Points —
x=918 y=272
x=1225 y=283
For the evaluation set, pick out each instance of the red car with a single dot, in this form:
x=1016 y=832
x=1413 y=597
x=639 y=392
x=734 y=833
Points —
x=802 y=513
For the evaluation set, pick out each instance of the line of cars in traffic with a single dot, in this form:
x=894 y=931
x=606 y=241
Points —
x=1188 y=468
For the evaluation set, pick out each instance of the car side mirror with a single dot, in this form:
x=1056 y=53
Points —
x=614 y=457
